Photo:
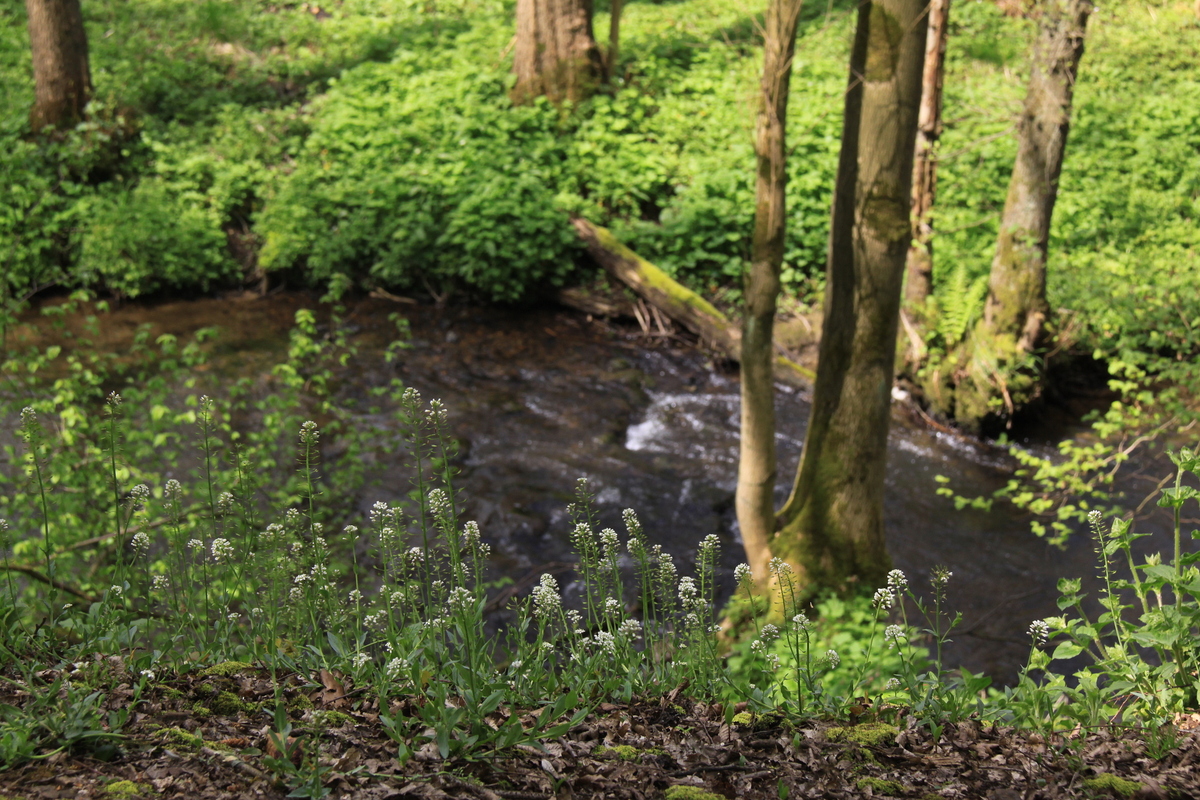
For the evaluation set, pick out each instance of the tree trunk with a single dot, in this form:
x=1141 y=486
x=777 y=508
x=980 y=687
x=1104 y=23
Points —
x=919 y=265
x=831 y=529
x=999 y=376
x=676 y=301
x=755 y=499
x=614 y=38
x=62 y=81
x=555 y=54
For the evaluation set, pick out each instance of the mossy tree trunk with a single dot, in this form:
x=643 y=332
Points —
x=555 y=54
x=919 y=264
x=62 y=80
x=995 y=372
x=831 y=528
x=755 y=499
x=614 y=38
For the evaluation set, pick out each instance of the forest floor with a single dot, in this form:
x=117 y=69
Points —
x=176 y=745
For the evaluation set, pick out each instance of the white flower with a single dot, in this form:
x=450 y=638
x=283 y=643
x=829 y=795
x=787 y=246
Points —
x=350 y=530
x=360 y=660
x=139 y=494
x=687 y=590
x=378 y=511
x=115 y=591
x=897 y=580
x=606 y=642
x=1094 y=516
x=355 y=597
x=460 y=599
x=892 y=685
x=439 y=502
x=546 y=599
x=224 y=503
x=222 y=550
x=892 y=634
x=233 y=617
x=612 y=606
x=741 y=573
x=610 y=542
x=195 y=544
x=172 y=490
x=802 y=622
x=769 y=633
x=779 y=567
x=397 y=667
x=148 y=674
x=516 y=665
x=630 y=628
x=160 y=583
x=471 y=535
x=884 y=599
x=1039 y=629
x=309 y=434
x=708 y=547
x=140 y=542
x=833 y=658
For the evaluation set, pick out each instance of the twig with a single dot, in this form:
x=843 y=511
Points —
x=40 y=576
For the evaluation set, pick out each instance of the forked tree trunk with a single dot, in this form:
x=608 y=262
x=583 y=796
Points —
x=831 y=528
x=62 y=80
x=755 y=499
x=996 y=377
x=555 y=53
x=919 y=266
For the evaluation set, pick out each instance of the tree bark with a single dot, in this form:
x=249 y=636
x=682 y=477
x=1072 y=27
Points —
x=676 y=301
x=555 y=54
x=614 y=38
x=831 y=528
x=62 y=80
x=755 y=498
x=919 y=265
x=998 y=376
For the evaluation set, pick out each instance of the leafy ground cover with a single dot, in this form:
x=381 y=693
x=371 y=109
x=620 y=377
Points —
x=671 y=747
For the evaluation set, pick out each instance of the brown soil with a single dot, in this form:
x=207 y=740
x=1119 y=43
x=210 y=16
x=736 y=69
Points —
x=633 y=751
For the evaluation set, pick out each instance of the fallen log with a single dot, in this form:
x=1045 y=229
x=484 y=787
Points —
x=677 y=301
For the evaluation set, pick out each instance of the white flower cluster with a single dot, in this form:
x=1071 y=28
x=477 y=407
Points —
x=632 y=525
x=833 y=658
x=460 y=599
x=309 y=434
x=160 y=583
x=139 y=494
x=779 y=567
x=140 y=543
x=222 y=550
x=1039 y=630
x=439 y=502
x=884 y=599
x=546 y=599
x=612 y=607
x=802 y=622
x=892 y=635
x=360 y=660
x=379 y=511
x=897 y=581
x=397 y=667
x=611 y=544
x=741 y=573
x=630 y=628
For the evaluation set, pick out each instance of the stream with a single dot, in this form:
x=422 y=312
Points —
x=540 y=397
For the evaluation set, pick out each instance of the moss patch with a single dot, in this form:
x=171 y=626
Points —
x=623 y=752
x=1111 y=784
x=228 y=704
x=690 y=793
x=871 y=734
x=332 y=719
x=123 y=790
x=880 y=786
x=301 y=702
x=226 y=669
x=181 y=738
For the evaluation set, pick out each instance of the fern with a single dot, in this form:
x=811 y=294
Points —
x=958 y=301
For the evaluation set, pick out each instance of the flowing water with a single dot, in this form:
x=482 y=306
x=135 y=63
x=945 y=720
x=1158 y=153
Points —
x=541 y=397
